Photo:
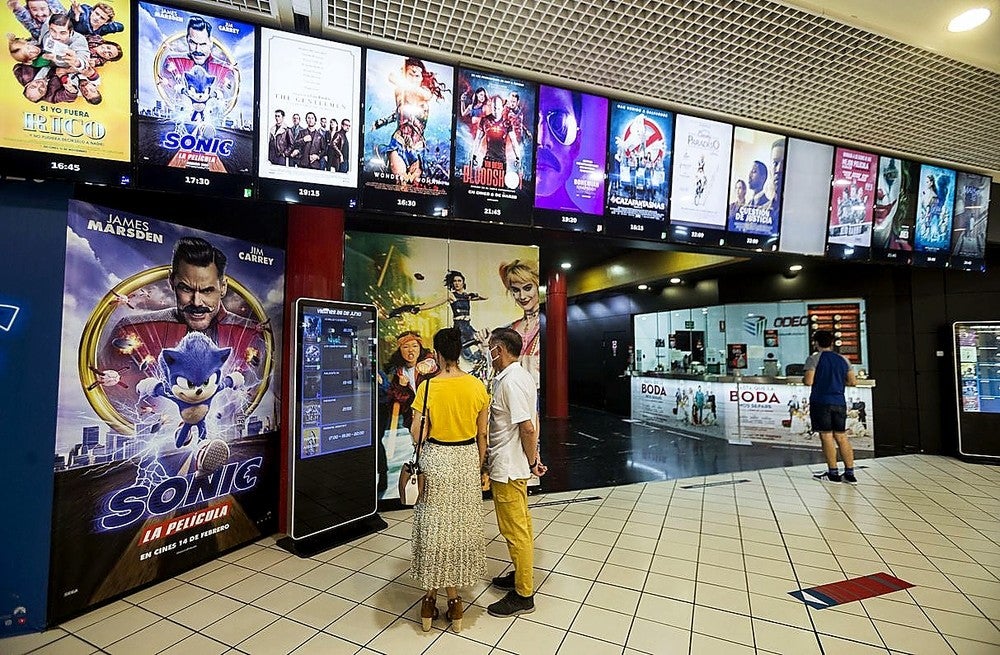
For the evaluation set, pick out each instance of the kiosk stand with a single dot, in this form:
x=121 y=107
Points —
x=977 y=383
x=332 y=494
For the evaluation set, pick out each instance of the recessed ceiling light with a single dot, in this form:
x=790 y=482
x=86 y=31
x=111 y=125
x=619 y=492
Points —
x=565 y=266
x=643 y=287
x=969 y=20
x=795 y=267
x=675 y=280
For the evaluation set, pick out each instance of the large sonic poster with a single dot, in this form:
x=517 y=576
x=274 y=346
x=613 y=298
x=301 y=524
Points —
x=420 y=285
x=196 y=91
x=166 y=444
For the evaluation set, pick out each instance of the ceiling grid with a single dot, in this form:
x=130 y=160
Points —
x=752 y=59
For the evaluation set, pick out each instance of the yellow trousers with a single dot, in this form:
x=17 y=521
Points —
x=514 y=521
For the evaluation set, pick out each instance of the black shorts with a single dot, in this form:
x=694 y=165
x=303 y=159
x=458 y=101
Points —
x=828 y=418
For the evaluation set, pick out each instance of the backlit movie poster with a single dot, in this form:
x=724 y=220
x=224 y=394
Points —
x=853 y=196
x=196 y=90
x=572 y=130
x=972 y=203
x=494 y=147
x=407 y=129
x=756 y=182
x=66 y=85
x=420 y=285
x=935 y=204
x=166 y=441
x=639 y=160
x=310 y=90
x=894 y=211
x=702 y=151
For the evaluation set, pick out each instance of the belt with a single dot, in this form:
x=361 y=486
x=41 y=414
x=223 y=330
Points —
x=466 y=442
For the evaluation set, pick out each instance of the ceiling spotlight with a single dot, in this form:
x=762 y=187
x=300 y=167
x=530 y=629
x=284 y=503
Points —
x=565 y=266
x=969 y=20
x=675 y=280
x=643 y=287
x=795 y=268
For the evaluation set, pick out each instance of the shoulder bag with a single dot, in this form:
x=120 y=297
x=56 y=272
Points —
x=411 y=477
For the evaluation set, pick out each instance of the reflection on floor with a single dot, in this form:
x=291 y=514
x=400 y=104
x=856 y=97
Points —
x=701 y=565
x=595 y=449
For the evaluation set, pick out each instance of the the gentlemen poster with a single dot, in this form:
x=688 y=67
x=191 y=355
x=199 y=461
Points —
x=639 y=156
x=494 y=147
x=756 y=183
x=310 y=90
x=166 y=443
x=66 y=85
x=854 y=176
x=196 y=90
x=408 y=126
x=421 y=285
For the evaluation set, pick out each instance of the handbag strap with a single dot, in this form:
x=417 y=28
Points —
x=423 y=422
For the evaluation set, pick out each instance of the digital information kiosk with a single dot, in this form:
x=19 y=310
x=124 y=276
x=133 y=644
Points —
x=332 y=476
x=977 y=383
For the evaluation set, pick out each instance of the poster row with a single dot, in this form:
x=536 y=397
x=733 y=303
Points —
x=227 y=108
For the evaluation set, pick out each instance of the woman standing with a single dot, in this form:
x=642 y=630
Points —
x=449 y=549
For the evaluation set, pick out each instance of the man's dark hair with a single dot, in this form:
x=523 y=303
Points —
x=197 y=252
x=448 y=343
x=823 y=338
x=199 y=24
x=120 y=54
x=61 y=20
x=508 y=339
x=280 y=111
x=309 y=113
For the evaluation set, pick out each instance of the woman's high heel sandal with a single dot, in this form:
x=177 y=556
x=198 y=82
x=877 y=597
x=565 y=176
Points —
x=428 y=612
x=455 y=612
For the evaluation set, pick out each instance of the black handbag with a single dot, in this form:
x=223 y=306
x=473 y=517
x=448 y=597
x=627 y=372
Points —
x=411 y=477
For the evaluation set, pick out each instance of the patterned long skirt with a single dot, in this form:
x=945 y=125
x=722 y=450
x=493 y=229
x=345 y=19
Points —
x=449 y=547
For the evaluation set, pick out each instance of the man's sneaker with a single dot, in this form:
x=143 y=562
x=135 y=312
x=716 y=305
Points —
x=505 y=582
x=849 y=478
x=512 y=604
x=832 y=476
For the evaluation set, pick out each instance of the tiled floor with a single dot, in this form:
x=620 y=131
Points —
x=649 y=568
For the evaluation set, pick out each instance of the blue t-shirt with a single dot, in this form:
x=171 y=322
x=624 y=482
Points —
x=831 y=375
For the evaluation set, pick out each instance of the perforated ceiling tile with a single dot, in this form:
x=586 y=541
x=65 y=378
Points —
x=746 y=58
x=249 y=6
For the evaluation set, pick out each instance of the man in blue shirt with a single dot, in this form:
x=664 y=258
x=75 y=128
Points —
x=828 y=372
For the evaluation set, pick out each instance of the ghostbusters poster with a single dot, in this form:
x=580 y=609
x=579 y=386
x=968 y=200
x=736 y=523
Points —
x=166 y=441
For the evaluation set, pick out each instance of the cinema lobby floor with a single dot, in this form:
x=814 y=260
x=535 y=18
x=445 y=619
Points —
x=696 y=565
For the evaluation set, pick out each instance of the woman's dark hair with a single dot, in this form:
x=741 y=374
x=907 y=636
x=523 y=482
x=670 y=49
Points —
x=448 y=344
x=451 y=276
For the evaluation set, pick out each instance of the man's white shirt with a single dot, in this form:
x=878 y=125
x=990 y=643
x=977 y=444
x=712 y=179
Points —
x=512 y=403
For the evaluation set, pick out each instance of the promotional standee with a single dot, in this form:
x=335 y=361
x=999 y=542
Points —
x=65 y=89
x=310 y=90
x=196 y=94
x=332 y=476
x=30 y=308
x=494 y=148
x=408 y=128
x=420 y=285
x=977 y=387
x=166 y=440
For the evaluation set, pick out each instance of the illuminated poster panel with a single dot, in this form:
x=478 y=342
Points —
x=310 y=96
x=935 y=211
x=806 y=202
x=756 y=183
x=196 y=101
x=639 y=157
x=968 y=233
x=494 y=148
x=408 y=129
x=572 y=131
x=66 y=90
x=849 y=232
x=702 y=152
x=895 y=210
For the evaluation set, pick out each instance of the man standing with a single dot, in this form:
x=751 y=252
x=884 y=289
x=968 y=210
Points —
x=511 y=460
x=827 y=372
